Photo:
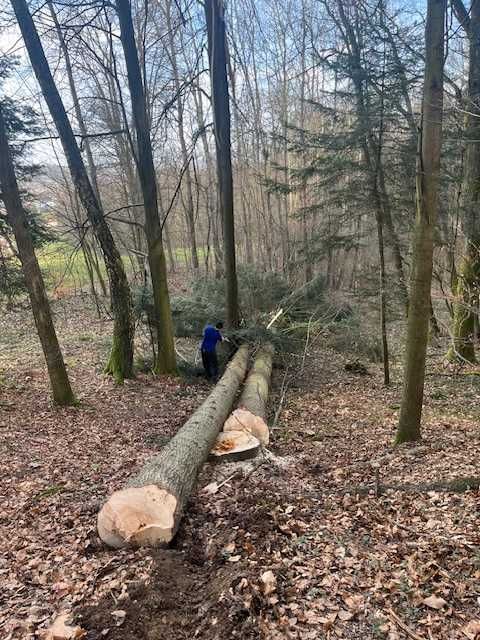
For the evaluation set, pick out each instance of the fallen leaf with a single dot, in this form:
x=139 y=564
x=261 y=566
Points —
x=269 y=582
x=345 y=615
x=229 y=548
x=234 y=558
x=434 y=602
x=211 y=488
x=355 y=603
x=472 y=630
x=119 y=616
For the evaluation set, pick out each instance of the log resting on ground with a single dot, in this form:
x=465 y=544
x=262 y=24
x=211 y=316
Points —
x=251 y=412
x=233 y=446
x=148 y=511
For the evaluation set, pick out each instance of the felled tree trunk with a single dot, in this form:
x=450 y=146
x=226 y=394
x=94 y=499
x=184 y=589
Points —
x=250 y=415
x=148 y=511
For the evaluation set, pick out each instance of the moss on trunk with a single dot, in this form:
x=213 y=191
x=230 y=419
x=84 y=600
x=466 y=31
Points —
x=466 y=297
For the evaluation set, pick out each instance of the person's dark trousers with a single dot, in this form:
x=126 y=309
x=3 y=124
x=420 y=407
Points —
x=210 y=364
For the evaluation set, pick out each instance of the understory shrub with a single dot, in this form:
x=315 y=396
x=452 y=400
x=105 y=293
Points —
x=350 y=336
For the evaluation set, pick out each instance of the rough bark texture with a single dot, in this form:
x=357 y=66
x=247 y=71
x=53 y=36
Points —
x=254 y=396
x=61 y=390
x=221 y=118
x=468 y=274
x=121 y=357
x=189 y=206
x=423 y=239
x=166 y=360
x=149 y=511
x=250 y=416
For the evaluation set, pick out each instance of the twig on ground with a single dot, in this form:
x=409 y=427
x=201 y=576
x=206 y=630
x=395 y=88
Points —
x=404 y=627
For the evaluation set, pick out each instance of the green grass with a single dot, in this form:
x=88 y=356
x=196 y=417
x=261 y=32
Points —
x=64 y=267
x=184 y=255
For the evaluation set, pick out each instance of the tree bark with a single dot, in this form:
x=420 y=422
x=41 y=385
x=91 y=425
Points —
x=221 y=118
x=149 y=510
x=59 y=382
x=189 y=208
x=428 y=169
x=211 y=196
x=120 y=364
x=468 y=273
x=76 y=103
x=166 y=360
x=252 y=406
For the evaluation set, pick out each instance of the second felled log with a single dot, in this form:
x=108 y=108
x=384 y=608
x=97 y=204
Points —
x=251 y=412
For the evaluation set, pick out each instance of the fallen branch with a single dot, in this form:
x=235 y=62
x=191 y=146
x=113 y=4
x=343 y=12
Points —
x=404 y=627
x=148 y=511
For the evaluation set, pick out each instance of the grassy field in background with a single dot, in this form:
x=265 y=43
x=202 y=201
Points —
x=63 y=266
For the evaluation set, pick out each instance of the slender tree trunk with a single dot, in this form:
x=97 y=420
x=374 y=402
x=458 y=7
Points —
x=59 y=382
x=221 y=117
x=166 y=361
x=468 y=272
x=189 y=208
x=76 y=104
x=303 y=188
x=212 y=196
x=428 y=168
x=121 y=358
x=383 y=323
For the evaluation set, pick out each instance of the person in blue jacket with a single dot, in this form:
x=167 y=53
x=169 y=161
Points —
x=211 y=336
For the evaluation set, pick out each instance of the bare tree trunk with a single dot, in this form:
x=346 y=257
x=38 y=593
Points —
x=76 y=104
x=212 y=197
x=303 y=193
x=166 y=361
x=221 y=116
x=59 y=382
x=383 y=323
x=189 y=209
x=468 y=272
x=428 y=168
x=121 y=358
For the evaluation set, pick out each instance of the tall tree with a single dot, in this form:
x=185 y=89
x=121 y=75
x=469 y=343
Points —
x=166 y=362
x=120 y=363
x=217 y=55
x=468 y=272
x=180 y=100
x=17 y=218
x=430 y=145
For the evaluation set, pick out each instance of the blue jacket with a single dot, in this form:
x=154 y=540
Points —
x=211 y=336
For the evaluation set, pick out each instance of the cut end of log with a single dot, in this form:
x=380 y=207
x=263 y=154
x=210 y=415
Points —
x=244 y=420
x=235 y=445
x=138 y=516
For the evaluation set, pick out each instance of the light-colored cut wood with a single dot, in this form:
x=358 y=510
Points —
x=148 y=511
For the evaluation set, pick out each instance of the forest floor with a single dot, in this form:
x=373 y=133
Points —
x=362 y=540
